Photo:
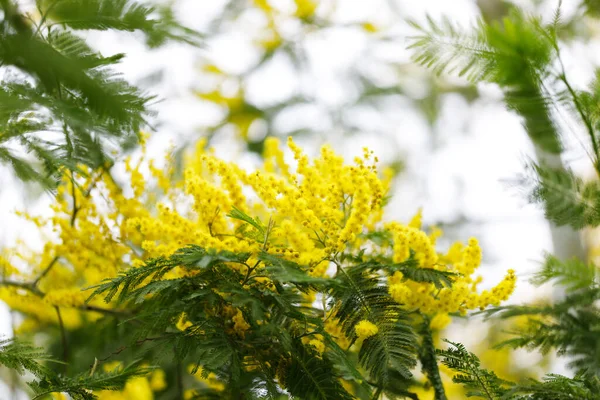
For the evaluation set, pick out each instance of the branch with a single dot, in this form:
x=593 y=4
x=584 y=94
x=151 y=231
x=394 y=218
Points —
x=45 y=271
x=30 y=287
x=63 y=337
x=429 y=361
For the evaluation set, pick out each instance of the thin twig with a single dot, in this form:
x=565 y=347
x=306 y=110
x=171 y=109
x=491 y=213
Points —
x=63 y=337
x=45 y=271
x=86 y=307
x=575 y=97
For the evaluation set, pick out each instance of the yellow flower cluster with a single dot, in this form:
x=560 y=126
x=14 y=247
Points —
x=142 y=387
x=314 y=213
x=211 y=381
x=309 y=213
x=461 y=260
x=365 y=329
x=334 y=328
x=65 y=297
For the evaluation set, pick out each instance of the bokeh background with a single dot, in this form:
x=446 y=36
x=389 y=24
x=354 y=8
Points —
x=340 y=72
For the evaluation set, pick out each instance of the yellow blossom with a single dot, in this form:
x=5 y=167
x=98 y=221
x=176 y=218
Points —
x=440 y=321
x=183 y=323
x=365 y=329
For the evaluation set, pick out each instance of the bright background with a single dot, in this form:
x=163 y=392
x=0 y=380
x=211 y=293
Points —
x=460 y=169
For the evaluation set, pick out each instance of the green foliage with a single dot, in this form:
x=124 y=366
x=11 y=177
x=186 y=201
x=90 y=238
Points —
x=429 y=362
x=478 y=381
x=276 y=321
x=568 y=326
x=557 y=387
x=592 y=7
x=79 y=387
x=515 y=53
x=573 y=274
x=158 y=25
x=309 y=376
x=61 y=103
x=23 y=357
x=362 y=294
x=522 y=56
x=484 y=384
x=566 y=198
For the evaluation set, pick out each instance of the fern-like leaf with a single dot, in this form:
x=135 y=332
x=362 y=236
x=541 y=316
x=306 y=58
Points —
x=309 y=376
x=478 y=381
x=574 y=274
x=566 y=199
x=23 y=357
x=363 y=295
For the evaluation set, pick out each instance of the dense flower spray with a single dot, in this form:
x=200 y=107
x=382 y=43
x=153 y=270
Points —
x=316 y=214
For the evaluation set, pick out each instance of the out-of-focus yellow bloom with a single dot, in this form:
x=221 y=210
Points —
x=365 y=329
x=334 y=328
x=370 y=27
x=440 y=321
x=183 y=323
x=158 y=381
x=136 y=388
x=305 y=8
x=211 y=381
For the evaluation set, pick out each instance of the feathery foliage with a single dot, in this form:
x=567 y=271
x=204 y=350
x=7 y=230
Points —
x=573 y=274
x=23 y=357
x=478 y=381
x=79 y=387
x=522 y=56
x=62 y=104
x=566 y=198
x=363 y=295
x=568 y=326
x=515 y=53
x=557 y=387
x=484 y=384
x=356 y=293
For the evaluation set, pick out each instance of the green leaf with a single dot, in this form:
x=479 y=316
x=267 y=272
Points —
x=285 y=271
x=566 y=199
x=98 y=14
x=309 y=376
x=23 y=357
x=77 y=49
x=558 y=387
x=478 y=382
x=515 y=53
x=574 y=274
x=79 y=387
x=157 y=23
x=238 y=214
x=362 y=294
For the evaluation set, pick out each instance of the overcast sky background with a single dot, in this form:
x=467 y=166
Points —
x=462 y=169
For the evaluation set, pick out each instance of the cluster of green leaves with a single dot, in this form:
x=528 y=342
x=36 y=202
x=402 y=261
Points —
x=522 y=56
x=61 y=103
x=568 y=326
x=24 y=358
x=483 y=383
x=269 y=358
